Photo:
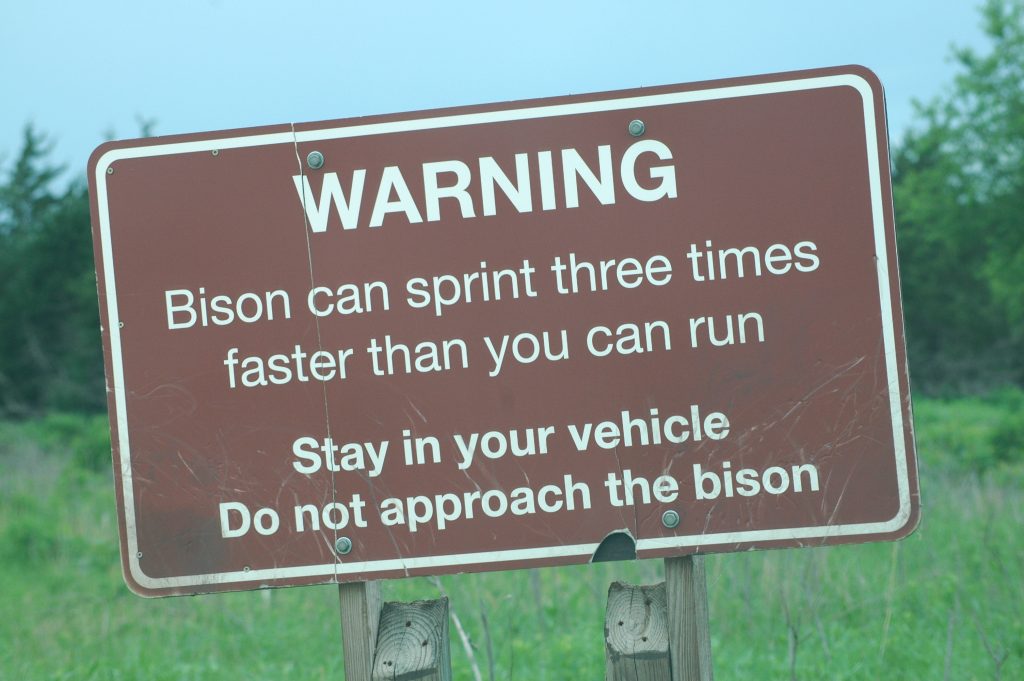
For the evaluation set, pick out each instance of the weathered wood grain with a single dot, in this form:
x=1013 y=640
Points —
x=689 y=636
x=636 y=633
x=360 y=613
x=412 y=642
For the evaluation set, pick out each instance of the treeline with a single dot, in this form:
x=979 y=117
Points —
x=958 y=185
x=50 y=356
x=959 y=196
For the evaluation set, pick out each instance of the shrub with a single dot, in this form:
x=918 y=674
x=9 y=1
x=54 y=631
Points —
x=1006 y=439
x=81 y=439
x=28 y=536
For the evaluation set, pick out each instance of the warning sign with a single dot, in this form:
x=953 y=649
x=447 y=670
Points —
x=493 y=337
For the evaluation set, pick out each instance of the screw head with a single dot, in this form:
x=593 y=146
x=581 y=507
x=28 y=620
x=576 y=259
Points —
x=215 y=152
x=315 y=160
x=670 y=519
x=343 y=545
x=637 y=127
x=110 y=171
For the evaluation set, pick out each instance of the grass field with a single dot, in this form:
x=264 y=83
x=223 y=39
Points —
x=946 y=603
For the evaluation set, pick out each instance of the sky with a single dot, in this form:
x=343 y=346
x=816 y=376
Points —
x=86 y=71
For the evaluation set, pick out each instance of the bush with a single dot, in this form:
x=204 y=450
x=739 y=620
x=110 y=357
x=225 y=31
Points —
x=975 y=435
x=1007 y=438
x=56 y=492
x=29 y=536
x=82 y=439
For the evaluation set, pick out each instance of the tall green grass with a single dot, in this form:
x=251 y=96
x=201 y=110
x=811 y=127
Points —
x=946 y=603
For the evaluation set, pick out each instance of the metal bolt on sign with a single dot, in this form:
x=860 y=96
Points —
x=637 y=127
x=315 y=160
x=343 y=545
x=670 y=519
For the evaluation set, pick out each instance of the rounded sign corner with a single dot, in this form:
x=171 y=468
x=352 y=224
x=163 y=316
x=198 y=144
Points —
x=138 y=582
x=863 y=80
x=906 y=521
x=103 y=157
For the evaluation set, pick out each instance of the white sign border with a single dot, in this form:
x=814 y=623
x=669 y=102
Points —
x=265 y=576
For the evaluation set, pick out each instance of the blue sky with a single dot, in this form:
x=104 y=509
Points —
x=83 y=71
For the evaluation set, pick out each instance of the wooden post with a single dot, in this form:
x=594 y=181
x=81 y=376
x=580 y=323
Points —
x=688 y=633
x=413 y=642
x=360 y=614
x=636 y=634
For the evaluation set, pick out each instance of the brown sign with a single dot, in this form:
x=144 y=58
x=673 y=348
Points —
x=492 y=337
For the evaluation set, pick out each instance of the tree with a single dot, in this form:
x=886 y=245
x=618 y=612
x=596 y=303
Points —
x=959 y=196
x=50 y=355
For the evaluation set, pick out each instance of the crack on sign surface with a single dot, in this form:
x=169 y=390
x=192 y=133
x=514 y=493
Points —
x=413 y=434
x=375 y=499
x=636 y=529
x=319 y=341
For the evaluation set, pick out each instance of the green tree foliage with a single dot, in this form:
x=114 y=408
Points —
x=959 y=196
x=50 y=356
